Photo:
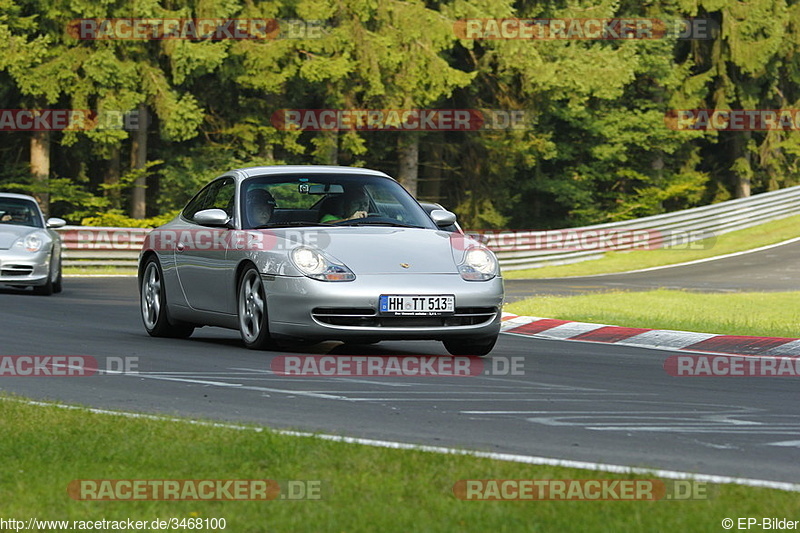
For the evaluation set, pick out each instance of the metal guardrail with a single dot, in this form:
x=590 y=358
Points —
x=532 y=249
x=95 y=246
x=516 y=250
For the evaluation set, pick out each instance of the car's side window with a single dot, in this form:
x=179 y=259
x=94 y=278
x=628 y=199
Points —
x=218 y=194
x=221 y=197
x=196 y=204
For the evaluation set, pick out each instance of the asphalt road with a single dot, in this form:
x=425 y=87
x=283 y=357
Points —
x=579 y=401
x=775 y=269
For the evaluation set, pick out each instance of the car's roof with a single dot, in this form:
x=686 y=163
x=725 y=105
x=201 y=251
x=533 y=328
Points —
x=17 y=196
x=305 y=169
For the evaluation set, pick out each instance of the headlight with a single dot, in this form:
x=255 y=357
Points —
x=32 y=242
x=316 y=265
x=479 y=265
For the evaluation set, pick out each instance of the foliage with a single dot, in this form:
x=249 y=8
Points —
x=115 y=219
x=594 y=146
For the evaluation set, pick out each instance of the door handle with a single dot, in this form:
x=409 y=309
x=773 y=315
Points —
x=180 y=247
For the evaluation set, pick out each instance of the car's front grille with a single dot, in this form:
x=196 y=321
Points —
x=367 y=317
x=16 y=270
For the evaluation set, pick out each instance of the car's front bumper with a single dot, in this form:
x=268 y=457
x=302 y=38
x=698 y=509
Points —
x=24 y=268
x=305 y=308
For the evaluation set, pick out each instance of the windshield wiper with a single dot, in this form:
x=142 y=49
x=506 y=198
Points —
x=358 y=222
x=289 y=224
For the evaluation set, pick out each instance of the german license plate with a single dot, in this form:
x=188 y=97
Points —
x=417 y=305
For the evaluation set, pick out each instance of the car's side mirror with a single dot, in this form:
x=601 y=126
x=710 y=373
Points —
x=211 y=217
x=54 y=223
x=443 y=218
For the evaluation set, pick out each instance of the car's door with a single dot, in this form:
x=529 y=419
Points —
x=200 y=251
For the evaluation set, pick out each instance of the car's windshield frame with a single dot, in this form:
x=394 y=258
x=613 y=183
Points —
x=409 y=212
x=21 y=203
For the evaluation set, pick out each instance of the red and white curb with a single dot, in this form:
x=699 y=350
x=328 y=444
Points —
x=550 y=328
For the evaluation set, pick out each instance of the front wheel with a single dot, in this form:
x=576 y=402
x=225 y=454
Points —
x=479 y=347
x=49 y=287
x=252 y=304
x=153 y=304
x=57 y=284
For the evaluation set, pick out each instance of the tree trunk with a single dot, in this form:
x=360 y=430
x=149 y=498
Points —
x=139 y=160
x=657 y=161
x=266 y=151
x=657 y=164
x=408 y=161
x=742 y=172
x=742 y=187
x=112 y=179
x=434 y=189
x=40 y=168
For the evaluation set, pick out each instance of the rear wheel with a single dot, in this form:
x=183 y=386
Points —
x=252 y=305
x=479 y=347
x=153 y=305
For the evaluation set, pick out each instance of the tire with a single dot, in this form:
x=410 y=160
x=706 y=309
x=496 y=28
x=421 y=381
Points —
x=479 y=347
x=49 y=287
x=251 y=303
x=57 y=284
x=153 y=307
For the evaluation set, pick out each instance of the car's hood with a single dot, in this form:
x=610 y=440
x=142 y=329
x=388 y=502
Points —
x=380 y=250
x=10 y=233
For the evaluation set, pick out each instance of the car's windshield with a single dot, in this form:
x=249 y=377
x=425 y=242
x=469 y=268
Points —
x=19 y=212
x=328 y=199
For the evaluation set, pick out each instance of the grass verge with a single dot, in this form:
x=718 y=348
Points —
x=735 y=241
x=769 y=314
x=367 y=489
x=99 y=271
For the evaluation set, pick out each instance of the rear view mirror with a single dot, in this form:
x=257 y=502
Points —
x=320 y=188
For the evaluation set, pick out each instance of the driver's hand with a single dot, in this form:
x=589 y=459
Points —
x=359 y=214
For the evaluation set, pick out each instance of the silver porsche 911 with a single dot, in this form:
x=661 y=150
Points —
x=30 y=251
x=312 y=253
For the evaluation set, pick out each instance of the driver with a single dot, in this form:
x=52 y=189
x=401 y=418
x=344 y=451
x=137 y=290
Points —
x=260 y=206
x=354 y=203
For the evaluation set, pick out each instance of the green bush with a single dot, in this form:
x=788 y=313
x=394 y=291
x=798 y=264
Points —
x=115 y=219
